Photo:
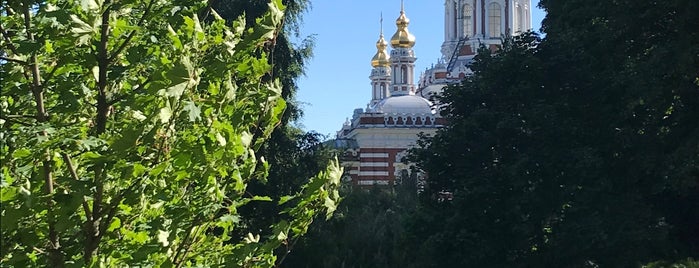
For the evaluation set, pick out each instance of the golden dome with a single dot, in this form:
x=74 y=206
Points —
x=381 y=57
x=402 y=38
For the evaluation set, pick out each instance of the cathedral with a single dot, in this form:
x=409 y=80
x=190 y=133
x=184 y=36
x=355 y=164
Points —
x=376 y=138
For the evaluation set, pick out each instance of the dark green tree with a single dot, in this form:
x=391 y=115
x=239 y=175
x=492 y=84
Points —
x=579 y=150
x=366 y=231
x=638 y=63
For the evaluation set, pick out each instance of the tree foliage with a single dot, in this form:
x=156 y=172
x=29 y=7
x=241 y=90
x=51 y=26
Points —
x=367 y=230
x=578 y=150
x=130 y=131
x=288 y=58
x=294 y=154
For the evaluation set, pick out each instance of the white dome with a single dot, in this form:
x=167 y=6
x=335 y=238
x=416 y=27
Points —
x=406 y=104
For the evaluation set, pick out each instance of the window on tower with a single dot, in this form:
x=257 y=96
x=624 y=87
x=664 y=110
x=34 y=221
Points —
x=404 y=74
x=520 y=19
x=395 y=77
x=468 y=21
x=494 y=18
x=455 y=28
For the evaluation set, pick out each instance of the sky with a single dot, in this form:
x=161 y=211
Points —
x=345 y=32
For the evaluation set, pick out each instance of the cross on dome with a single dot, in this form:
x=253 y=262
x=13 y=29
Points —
x=381 y=58
x=402 y=38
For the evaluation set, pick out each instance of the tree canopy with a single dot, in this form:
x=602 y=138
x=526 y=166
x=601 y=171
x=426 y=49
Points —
x=131 y=131
x=580 y=149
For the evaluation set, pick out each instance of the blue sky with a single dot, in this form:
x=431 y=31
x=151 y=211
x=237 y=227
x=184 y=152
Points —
x=336 y=80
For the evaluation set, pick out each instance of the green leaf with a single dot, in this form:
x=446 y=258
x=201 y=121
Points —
x=181 y=77
x=221 y=140
x=331 y=206
x=261 y=198
x=8 y=193
x=177 y=43
x=89 y=5
x=282 y=236
x=286 y=198
x=137 y=237
x=246 y=139
x=138 y=170
x=176 y=90
x=165 y=114
x=115 y=224
x=163 y=237
x=21 y=153
x=82 y=30
x=192 y=110
x=157 y=170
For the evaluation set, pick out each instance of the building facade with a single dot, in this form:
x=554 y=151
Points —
x=376 y=138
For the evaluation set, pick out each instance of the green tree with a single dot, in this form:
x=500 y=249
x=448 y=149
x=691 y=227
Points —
x=487 y=157
x=367 y=230
x=131 y=131
x=294 y=155
x=637 y=64
x=579 y=150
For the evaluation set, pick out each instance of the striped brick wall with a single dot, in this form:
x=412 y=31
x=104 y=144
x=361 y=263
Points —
x=376 y=166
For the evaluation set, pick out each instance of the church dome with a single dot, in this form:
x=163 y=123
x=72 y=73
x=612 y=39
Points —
x=407 y=104
x=381 y=58
x=402 y=38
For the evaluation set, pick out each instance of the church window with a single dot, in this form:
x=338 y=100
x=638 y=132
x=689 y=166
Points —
x=494 y=17
x=376 y=93
x=468 y=21
x=455 y=28
x=520 y=19
x=404 y=74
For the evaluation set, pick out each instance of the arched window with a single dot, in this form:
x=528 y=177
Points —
x=455 y=31
x=447 y=20
x=520 y=19
x=404 y=74
x=383 y=91
x=395 y=77
x=494 y=16
x=376 y=93
x=468 y=21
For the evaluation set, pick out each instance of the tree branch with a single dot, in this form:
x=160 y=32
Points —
x=183 y=243
x=112 y=207
x=103 y=64
x=93 y=227
x=289 y=247
x=187 y=249
x=10 y=45
x=74 y=174
x=14 y=60
x=55 y=254
x=13 y=119
x=8 y=40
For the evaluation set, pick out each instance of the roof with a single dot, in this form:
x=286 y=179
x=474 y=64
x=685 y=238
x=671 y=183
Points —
x=406 y=104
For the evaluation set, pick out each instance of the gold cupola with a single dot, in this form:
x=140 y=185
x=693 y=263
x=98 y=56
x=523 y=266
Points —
x=402 y=38
x=381 y=58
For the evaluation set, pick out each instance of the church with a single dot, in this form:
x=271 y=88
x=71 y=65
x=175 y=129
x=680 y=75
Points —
x=376 y=138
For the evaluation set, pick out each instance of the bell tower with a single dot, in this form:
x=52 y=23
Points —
x=473 y=23
x=402 y=57
x=381 y=71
